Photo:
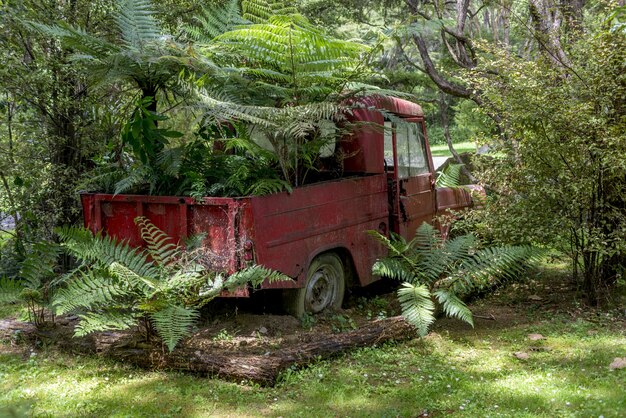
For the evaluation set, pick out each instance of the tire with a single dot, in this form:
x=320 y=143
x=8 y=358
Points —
x=324 y=288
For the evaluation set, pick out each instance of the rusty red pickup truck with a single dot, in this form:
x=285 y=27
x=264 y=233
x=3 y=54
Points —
x=317 y=233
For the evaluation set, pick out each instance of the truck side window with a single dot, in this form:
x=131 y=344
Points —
x=411 y=152
x=389 y=145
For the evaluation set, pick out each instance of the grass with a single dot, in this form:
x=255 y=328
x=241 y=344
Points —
x=456 y=369
x=441 y=150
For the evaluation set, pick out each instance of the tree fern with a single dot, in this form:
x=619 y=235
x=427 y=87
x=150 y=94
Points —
x=259 y=11
x=136 y=22
x=212 y=22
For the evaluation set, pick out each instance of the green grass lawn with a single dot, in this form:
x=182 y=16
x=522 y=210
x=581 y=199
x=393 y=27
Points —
x=455 y=370
x=441 y=150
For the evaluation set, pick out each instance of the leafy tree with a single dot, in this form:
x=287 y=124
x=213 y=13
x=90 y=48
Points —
x=437 y=273
x=50 y=124
x=561 y=180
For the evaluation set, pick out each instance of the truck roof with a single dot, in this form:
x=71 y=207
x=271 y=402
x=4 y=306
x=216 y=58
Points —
x=400 y=107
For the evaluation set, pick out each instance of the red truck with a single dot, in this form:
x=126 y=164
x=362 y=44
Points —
x=317 y=233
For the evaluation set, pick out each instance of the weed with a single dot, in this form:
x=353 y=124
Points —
x=307 y=321
x=223 y=336
x=342 y=323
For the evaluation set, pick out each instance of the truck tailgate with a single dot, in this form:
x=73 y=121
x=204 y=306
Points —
x=179 y=217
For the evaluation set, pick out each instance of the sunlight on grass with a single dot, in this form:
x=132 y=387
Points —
x=441 y=150
x=460 y=370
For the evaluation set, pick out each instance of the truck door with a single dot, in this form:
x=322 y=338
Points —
x=410 y=175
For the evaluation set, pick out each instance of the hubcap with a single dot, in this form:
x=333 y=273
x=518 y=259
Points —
x=321 y=290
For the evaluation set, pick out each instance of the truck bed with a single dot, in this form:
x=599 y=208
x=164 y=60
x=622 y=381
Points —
x=285 y=230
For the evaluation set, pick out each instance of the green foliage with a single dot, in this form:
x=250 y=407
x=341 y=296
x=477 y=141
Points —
x=213 y=20
x=557 y=175
x=174 y=323
x=259 y=11
x=117 y=285
x=438 y=272
x=34 y=283
x=143 y=55
x=146 y=140
x=450 y=176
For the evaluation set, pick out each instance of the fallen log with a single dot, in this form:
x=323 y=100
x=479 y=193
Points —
x=262 y=369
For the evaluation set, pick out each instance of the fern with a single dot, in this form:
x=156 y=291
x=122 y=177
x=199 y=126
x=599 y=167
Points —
x=116 y=285
x=453 y=306
x=443 y=271
x=104 y=321
x=160 y=245
x=261 y=10
x=450 y=177
x=104 y=250
x=136 y=22
x=39 y=264
x=88 y=289
x=174 y=323
x=417 y=306
x=9 y=290
x=210 y=23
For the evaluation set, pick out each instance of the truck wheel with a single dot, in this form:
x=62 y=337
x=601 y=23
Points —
x=324 y=288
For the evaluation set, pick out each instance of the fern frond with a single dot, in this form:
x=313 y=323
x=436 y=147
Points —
x=104 y=321
x=261 y=10
x=255 y=275
x=453 y=306
x=450 y=177
x=105 y=250
x=136 y=22
x=77 y=39
x=9 y=290
x=90 y=289
x=268 y=186
x=137 y=177
x=393 y=268
x=131 y=280
x=209 y=23
x=39 y=264
x=417 y=307
x=170 y=161
x=160 y=245
x=174 y=323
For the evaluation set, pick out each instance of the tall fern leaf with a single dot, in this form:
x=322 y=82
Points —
x=160 y=245
x=453 y=306
x=417 y=307
x=174 y=323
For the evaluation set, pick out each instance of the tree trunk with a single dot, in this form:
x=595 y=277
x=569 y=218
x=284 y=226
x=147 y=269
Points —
x=443 y=108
